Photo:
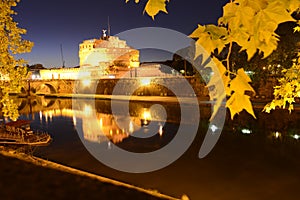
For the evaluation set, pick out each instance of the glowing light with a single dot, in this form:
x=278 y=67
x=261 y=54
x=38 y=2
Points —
x=146 y=114
x=277 y=134
x=87 y=110
x=109 y=145
x=146 y=117
x=160 y=130
x=131 y=128
x=41 y=116
x=86 y=82
x=101 y=123
x=249 y=72
x=246 y=131
x=50 y=116
x=296 y=136
x=46 y=117
x=214 y=128
x=74 y=120
x=145 y=81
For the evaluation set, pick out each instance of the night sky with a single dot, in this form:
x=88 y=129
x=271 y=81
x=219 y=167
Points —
x=50 y=23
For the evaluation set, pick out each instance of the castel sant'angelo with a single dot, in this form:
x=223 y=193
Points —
x=98 y=58
x=107 y=51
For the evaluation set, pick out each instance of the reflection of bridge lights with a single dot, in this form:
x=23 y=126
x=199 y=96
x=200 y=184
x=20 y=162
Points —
x=101 y=123
x=145 y=81
x=246 y=131
x=86 y=82
x=146 y=117
x=74 y=120
x=46 y=117
x=131 y=128
x=296 y=136
x=160 y=130
x=214 y=128
x=50 y=116
x=277 y=134
x=41 y=116
x=87 y=110
x=109 y=145
x=146 y=114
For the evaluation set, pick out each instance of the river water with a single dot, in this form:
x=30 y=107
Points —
x=253 y=159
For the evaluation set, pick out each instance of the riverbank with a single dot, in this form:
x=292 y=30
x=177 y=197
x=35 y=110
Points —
x=27 y=177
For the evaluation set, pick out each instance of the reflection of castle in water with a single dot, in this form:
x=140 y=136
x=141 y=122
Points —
x=100 y=125
x=97 y=126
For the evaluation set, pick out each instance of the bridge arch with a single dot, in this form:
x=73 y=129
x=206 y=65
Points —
x=45 y=88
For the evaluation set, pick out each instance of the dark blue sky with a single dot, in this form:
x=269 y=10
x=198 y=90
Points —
x=50 y=23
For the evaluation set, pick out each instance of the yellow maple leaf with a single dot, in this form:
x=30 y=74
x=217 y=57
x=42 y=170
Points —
x=255 y=4
x=292 y=5
x=239 y=102
x=218 y=82
x=240 y=83
x=297 y=29
x=153 y=7
x=277 y=12
x=210 y=37
x=136 y=1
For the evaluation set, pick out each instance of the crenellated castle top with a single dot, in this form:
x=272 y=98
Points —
x=107 y=51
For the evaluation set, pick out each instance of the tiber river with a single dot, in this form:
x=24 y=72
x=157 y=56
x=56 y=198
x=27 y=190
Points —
x=253 y=159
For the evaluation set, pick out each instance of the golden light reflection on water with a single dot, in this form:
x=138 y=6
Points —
x=160 y=130
x=131 y=127
x=102 y=127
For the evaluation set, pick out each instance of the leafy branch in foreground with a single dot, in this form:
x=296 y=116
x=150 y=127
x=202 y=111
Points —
x=288 y=88
x=12 y=70
x=249 y=24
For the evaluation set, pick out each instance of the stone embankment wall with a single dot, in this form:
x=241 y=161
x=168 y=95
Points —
x=164 y=87
x=155 y=87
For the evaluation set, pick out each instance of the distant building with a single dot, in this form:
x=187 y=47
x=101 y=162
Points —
x=107 y=51
x=107 y=57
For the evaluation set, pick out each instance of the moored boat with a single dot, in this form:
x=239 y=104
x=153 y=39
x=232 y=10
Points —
x=19 y=132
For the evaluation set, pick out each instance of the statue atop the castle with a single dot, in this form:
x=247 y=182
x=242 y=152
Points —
x=104 y=33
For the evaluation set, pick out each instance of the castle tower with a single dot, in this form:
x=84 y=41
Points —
x=107 y=51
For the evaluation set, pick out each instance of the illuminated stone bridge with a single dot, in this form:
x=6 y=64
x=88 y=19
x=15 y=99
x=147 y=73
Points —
x=37 y=87
x=144 y=86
